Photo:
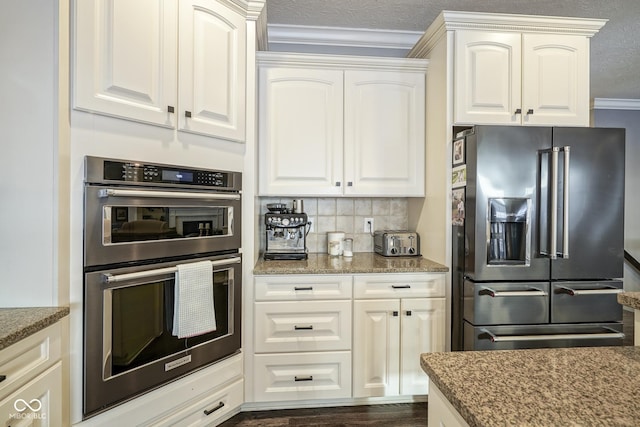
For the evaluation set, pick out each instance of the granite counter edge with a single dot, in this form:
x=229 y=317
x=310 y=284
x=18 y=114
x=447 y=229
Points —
x=36 y=322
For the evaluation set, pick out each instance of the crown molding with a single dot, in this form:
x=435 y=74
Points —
x=251 y=9
x=338 y=37
x=316 y=61
x=615 y=104
x=453 y=20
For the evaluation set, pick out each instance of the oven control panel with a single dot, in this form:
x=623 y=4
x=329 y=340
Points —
x=132 y=172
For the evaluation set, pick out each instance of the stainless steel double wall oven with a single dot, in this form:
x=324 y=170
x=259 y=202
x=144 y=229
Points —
x=141 y=222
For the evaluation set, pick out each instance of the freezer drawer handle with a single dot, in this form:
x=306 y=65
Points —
x=113 y=192
x=578 y=292
x=553 y=337
x=110 y=278
x=533 y=292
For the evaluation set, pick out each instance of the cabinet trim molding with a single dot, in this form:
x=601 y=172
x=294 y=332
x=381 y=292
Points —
x=339 y=62
x=452 y=20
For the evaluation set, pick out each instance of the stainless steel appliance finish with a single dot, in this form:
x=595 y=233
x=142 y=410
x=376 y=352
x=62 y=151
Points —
x=396 y=243
x=542 y=240
x=129 y=345
x=142 y=222
x=286 y=235
x=137 y=211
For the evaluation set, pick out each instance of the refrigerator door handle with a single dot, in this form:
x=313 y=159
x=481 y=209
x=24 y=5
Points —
x=565 y=205
x=553 y=243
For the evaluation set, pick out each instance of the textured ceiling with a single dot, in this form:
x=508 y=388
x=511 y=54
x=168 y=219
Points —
x=615 y=50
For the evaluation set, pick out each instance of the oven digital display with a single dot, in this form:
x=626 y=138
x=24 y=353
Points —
x=177 y=176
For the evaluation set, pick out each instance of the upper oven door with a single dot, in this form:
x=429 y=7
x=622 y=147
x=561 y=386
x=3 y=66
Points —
x=128 y=224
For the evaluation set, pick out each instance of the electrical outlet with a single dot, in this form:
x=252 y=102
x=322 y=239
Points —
x=311 y=220
x=368 y=225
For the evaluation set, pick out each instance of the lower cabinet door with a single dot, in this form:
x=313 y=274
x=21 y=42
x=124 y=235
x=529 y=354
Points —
x=38 y=403
x=376 y=352
x=422 y=331
x=302 y=376
x=209 y=410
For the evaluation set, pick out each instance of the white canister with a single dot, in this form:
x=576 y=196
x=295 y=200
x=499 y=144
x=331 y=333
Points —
x=334 y=243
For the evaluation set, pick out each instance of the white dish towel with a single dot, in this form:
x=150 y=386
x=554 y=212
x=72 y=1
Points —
x=194 y=312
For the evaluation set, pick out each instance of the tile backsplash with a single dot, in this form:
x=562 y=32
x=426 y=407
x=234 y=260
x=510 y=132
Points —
x=344 y=214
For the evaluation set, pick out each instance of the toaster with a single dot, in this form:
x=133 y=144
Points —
x=396 y=243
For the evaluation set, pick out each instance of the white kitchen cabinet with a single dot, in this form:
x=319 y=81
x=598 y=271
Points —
x=522 y=79
x=302 y=337
x=31 y=393
x=340 y=125
x=392 y=327
x=128 y=63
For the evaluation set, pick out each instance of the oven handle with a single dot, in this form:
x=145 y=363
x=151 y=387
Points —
x=113 y=192
x=552 y=337
x=110 y=278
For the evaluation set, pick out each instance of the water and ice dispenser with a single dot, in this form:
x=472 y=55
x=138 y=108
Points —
x=509 y=231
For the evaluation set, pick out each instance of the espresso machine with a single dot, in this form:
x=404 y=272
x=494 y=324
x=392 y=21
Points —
x=286 y=233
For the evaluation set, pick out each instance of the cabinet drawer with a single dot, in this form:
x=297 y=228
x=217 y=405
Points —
x=399 y=286
x=302 y=287
x=302 y=326
x=208 y=411
x=28 y=357
x=301 y=376
x=38 y=402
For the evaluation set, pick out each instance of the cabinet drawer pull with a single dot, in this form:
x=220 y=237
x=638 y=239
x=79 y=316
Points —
x=309 y=378
x=401 y=286
x=187 y=113
x=303 y=288
x=2 y=378
x=211 y=411
x=303 y=328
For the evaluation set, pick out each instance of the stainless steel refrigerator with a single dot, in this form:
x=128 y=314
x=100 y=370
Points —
x=538 y=223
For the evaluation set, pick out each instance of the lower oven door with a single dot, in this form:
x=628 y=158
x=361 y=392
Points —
x=128 y=224
x=595 y=301
x=130 y=341
x=541 y=336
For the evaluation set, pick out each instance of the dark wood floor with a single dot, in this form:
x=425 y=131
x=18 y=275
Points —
x=396 y=415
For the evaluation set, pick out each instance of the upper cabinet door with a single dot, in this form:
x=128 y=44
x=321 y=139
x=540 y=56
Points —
x=212 y=73
x=300 y=131
x=487 y=77
x=555 y=80
x=125 y=59
x=384 y=133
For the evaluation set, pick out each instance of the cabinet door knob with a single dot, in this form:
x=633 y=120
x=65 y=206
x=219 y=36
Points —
x=530 y=111
x=171 y=109
x=338 y=183
x=408 y=312
x=518 y=111
x=187 y=113
x=395 y=313
x=350 y=184
x=2 y=378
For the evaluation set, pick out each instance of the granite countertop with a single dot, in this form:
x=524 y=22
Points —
x=630 y=299
x=18 y=323
x=584 y=386
x=361 y=262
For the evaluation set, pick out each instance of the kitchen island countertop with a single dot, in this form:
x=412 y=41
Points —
x=18 y=323
x=584 y=386
x=361 y=262
x=630 y=299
